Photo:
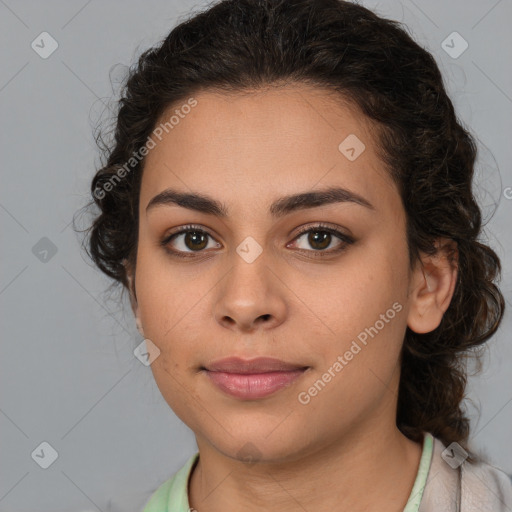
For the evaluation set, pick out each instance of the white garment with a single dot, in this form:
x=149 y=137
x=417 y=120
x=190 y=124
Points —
x=471 y=487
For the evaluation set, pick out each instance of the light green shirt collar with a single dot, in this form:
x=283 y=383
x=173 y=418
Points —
x=413 y=503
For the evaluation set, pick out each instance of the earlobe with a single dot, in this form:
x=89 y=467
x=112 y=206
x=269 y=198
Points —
x=133 y=298
x=139 y=326
x=433 y=285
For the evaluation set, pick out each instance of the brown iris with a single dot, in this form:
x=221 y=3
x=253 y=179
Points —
x=196 y=237
x=319 y=237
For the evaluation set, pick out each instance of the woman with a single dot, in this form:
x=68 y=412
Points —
x=288 y=201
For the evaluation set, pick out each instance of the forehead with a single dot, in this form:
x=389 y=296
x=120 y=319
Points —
x=263 y=144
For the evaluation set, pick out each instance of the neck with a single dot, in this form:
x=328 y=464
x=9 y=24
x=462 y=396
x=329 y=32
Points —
x=366 y=470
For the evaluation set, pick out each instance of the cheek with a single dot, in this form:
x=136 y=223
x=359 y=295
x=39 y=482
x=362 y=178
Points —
x=175 y=389
x=364 y=309
x=158 y=291
x=358 y=292
x=169 y=305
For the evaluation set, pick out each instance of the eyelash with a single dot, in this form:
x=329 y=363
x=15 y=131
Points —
x=316 y=228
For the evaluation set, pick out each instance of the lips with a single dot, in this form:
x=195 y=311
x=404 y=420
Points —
x=252 y=366
x=252 y=379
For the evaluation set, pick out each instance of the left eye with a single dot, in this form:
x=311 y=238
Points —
x=320 y=238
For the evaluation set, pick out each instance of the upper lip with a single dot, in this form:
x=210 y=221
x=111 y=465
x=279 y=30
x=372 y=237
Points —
x=248 y=366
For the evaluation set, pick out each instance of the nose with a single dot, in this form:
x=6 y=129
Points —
x=252 y=297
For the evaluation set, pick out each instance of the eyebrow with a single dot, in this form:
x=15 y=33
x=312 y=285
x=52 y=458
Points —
x=281 y=207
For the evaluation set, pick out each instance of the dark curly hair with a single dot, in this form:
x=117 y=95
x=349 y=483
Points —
x=239 y=45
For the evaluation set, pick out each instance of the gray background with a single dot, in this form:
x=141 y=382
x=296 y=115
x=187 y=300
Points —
x=68 y=374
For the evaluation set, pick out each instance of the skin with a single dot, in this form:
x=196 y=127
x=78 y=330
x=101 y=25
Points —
x=341 y=451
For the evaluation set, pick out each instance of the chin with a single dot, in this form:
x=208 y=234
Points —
x=260 y=444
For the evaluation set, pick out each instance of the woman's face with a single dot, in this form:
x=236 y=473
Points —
x=252 y=286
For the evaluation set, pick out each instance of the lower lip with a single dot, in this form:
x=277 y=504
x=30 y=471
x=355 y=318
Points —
x=253 y=386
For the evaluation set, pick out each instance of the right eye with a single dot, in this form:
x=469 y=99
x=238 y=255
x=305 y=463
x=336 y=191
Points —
x=189 y=239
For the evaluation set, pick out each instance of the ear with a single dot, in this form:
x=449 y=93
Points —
x=130 y=276
x=432 y=287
